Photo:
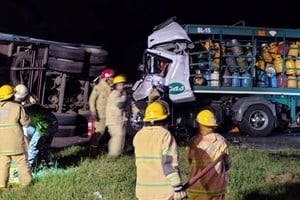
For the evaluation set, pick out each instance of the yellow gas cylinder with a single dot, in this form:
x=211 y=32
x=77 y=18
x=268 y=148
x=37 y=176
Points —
x=293 y=50
x=273 y=49
x=265 y=53
x=298 y=81
x=261 y=64
x=297 y=66
x=292 y=81
x=278 y=63
x=290 y=67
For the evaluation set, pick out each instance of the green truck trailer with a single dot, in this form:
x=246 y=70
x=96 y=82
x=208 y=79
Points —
x=250 y=76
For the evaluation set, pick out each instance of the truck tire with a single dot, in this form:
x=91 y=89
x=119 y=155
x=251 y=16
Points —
x=97 y=55
x=258 y=121
x=63 y=65
x=67 y=52
x=66 y=118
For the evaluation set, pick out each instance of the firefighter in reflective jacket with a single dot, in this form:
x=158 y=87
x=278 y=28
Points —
x=156 y=157
x=12 y=141
x=42 y=128
x=115 y=117
x=97 y=106
x=203 y=149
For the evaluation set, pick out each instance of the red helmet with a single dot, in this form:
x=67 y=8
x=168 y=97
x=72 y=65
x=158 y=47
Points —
x=107 y=73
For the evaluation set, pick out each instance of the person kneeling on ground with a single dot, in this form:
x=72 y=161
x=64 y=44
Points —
x=156 y=157
x=42 y=128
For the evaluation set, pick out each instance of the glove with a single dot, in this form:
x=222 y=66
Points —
x=179 y=195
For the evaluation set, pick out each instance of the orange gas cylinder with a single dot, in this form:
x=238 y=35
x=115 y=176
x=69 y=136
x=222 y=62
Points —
x=290 y=67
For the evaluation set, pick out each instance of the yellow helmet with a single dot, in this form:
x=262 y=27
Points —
x=206 y=118
x=6 y=91
x=119 y=79
x=155 y=111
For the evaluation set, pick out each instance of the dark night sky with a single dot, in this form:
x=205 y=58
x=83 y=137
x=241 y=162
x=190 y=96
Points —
x=122 y=26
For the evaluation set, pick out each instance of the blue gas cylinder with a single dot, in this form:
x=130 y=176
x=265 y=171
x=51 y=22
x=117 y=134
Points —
x=246 y=79
x=263 y=80
x=272 y=81
x=236 y=82
x=207 y=76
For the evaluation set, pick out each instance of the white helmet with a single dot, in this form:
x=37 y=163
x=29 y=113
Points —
x=21 y=91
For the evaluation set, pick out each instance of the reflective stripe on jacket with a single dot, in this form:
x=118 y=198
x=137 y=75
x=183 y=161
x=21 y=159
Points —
x=156 y=163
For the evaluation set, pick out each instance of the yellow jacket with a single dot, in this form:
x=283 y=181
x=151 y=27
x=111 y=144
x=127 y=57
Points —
x=203 y=150
x=98 y=98
x=156 y=159
x=115 y=108
x=12 y=118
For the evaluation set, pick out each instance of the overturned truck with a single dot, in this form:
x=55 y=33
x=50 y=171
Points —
x=59 y=74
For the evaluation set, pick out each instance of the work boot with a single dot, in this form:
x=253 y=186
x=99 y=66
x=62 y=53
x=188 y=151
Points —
x=93 y=151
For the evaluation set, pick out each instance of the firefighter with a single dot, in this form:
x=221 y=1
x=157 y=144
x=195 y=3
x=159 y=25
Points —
x=12 y=141
x=156 y=157
x=116 y=116
x=42 y=128
x=97 y=106
x=203 y=149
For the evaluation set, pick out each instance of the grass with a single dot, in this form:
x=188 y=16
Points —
x=254 y=175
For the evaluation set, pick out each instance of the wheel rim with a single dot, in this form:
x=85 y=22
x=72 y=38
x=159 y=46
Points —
x=258 y=120
x=136 y=122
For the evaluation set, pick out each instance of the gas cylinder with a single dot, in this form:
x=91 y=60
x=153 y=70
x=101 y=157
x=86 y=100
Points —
x=273 y=49
x=281 y=80
x=246 y=79
x=198 y=79
x=242 y=63
x=249 y=53
x=263 y=80
x=207 y=76
x=293 y=50
x=215 y=78
x=297 y=66
x=261 y=64
x=236 y=47
x=280 y=48
x=226 y=78
x=91 y=126
x=235 y=82
x=290 y=66
x=230 y=61
x=266 y=55
x=292 y=81
x=272 y=81
x=278 y=63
